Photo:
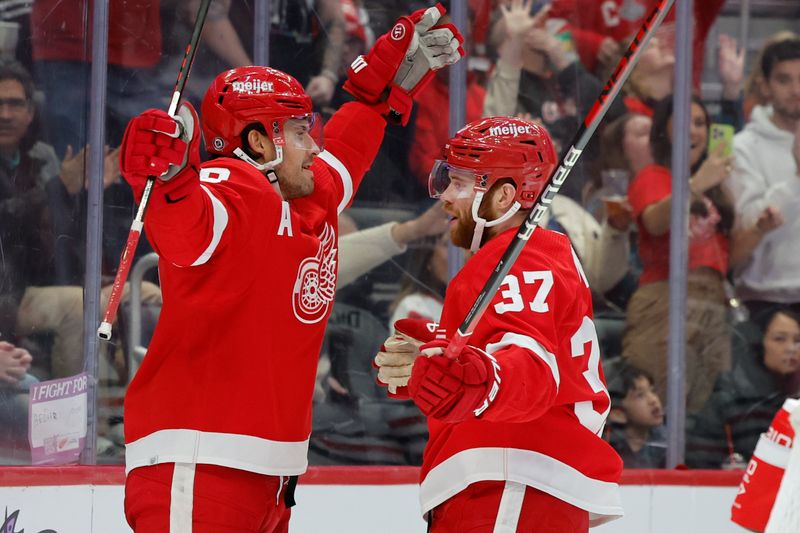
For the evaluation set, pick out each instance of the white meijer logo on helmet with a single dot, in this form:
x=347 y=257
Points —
x=510 y=129
x=253 y=86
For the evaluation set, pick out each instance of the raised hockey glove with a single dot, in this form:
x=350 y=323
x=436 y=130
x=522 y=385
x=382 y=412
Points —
x=402 y=61
x=156 y=144
x=453 y=390
x=398 y=352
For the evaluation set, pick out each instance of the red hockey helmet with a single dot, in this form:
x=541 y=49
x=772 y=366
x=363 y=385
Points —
x=494 y=148
x=245 y=95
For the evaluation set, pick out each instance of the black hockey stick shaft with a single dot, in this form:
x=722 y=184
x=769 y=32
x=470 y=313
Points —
x=556 y=180
x=126 y=259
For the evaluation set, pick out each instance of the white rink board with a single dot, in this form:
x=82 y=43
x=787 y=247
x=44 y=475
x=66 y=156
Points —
x=367 y=509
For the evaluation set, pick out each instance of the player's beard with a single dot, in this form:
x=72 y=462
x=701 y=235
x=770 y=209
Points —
x=462 y=233
x=298 y=185
x=789 y=112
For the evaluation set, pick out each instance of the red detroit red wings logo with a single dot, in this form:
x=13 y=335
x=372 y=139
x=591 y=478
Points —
x=316 y=281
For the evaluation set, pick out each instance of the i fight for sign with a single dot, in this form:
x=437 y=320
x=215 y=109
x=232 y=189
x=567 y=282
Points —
x=59 y=389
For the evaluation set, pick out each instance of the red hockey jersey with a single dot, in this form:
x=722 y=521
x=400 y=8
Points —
x=248 y=281
x=543 y=428
x=762 y=477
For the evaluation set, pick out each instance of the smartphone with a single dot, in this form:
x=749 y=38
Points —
x=721 y=134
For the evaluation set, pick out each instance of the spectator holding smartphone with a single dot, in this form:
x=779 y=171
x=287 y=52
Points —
x=711 y=218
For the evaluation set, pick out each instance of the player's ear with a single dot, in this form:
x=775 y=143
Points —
x=617 y=416
x=261 y=145
x=504 y=196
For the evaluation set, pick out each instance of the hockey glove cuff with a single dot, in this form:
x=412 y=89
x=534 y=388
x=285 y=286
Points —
x=168 y=148
x=398 y=352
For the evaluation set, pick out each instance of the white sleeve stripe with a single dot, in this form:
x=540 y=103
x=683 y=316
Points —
x=220 y=223
x=579 y=267
x=344 y=175
x=523 y=341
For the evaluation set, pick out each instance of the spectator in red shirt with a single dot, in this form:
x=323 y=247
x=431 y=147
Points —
x=599 y=26
x=711 y=219
x=62 y=53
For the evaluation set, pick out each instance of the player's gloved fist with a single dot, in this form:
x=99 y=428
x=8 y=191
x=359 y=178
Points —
x=453 y=390
x=432 y=48
x=402 y=61
x=168 y=148
x=398 y=352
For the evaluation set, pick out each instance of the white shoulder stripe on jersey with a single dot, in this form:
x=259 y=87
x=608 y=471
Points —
x=344 y=175
x=523 y=341
x=220 y=223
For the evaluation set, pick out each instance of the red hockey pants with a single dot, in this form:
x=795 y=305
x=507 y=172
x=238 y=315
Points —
x=188 y=498
x=506 y=507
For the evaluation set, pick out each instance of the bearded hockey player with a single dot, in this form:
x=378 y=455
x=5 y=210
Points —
x=218 y=417
x=515 y=421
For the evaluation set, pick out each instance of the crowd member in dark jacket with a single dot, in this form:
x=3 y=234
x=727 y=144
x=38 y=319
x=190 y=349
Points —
x=26 y=238
x=34 y=300
x=766 y=362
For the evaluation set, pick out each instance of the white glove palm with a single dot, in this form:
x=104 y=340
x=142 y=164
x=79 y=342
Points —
x=397 y=355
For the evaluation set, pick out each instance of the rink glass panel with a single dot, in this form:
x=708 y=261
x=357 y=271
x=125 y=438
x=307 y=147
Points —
x=354 y=422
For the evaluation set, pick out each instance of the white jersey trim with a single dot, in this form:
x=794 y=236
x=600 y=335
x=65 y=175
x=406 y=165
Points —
x=220 y=223
x=510 y=508
x=600 y=498
x=344 y=175
x=772 y=453
x=243 y=452
x=529 y=343
x=181 y=501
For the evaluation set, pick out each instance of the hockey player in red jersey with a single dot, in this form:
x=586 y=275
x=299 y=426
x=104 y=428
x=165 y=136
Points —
x=218 y=417
x=515 y=421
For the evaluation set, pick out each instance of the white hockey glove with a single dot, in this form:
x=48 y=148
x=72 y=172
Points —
x=432 y=48
x=396 y=358
x=402 y=61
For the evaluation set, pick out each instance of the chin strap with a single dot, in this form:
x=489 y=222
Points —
x=481 y=223
x=268 y=166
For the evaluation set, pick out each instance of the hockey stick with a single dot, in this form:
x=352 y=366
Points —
x=126 y=259
x=556 y=180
